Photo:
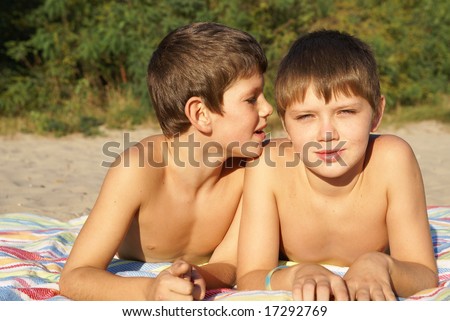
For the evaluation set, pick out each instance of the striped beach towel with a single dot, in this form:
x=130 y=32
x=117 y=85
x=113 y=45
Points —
x=33 y=250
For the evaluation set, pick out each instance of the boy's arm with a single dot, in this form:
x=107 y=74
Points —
x=220 y=272
x=259 y=235
x=414 y=265
x=84 y=276
x=259 y=244
x=411 y=264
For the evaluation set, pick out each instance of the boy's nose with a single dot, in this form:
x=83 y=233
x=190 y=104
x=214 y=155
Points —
x=266 y=109
x=327 y=131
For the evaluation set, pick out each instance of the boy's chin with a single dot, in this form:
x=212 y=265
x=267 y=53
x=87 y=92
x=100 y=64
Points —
x=250 y=153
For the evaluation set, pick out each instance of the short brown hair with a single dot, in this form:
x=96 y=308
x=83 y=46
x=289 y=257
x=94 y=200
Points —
x=334 y=63
x=200 y=59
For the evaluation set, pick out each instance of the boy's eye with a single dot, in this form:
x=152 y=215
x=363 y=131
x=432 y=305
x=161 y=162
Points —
x=251 y=100
x=347 y=111
x=303 y=117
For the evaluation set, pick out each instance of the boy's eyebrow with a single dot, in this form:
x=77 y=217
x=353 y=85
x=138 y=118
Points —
x=350 y=105
x=306 y=108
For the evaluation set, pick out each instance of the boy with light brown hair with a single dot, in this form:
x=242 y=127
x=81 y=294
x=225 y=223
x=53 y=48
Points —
x=332 y=193
x=176 y=197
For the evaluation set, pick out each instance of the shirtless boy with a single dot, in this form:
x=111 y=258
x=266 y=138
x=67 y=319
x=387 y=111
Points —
x=332 y=192
x=176 y=197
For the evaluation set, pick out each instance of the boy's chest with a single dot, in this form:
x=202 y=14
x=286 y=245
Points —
x=333 y=231
x=179 y=226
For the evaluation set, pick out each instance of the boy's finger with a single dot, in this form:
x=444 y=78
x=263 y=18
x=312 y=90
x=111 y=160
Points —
x=389 y=295
x=378 y=295
x=178 y=285
x=199 y=285
x=309 y=290
x=339 y=290
x=180 y=268
x=297 y=293
x=198 y=292
x=340 y=293
x=362 y=295
x=323 y=291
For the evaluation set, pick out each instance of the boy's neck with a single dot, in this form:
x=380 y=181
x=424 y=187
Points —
x=335 y=187
x=195 y=158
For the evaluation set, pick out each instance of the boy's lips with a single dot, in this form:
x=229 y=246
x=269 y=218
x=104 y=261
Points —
x=329 y=155
x=260 y=132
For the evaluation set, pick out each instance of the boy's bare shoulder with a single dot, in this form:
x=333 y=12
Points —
x=130 y=178
x=389 y=152
x=389 y=146
x=142 y=159
x=148 y=152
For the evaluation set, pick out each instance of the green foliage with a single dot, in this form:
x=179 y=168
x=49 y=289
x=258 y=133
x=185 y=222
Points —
x=410 y=40
x=124 y=110
x=72 y=65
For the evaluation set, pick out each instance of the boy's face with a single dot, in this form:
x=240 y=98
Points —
x=331 y=138
x=245 y=110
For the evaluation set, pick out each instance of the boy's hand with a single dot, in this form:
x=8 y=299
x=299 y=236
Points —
x=180 y=282
x=314 y=282
x=368 y=278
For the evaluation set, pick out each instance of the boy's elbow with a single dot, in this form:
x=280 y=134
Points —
x=434 y=279
x=218 y=275
x=430 y=280
x=431 y=277
x=243 y=284
x=66 y=282
x=240 y=284
x=63 y=287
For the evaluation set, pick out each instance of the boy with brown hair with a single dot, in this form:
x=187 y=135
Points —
x=333 y=193
x=176 y=197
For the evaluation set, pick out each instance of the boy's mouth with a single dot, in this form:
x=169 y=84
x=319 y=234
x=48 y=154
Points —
x=260 y=130
x=330 y=155
x=260 y=134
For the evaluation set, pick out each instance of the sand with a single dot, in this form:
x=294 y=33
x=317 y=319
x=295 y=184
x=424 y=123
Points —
x=61 y=177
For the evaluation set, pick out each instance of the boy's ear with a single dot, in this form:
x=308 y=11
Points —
x=198 y=114
x=376 y=121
